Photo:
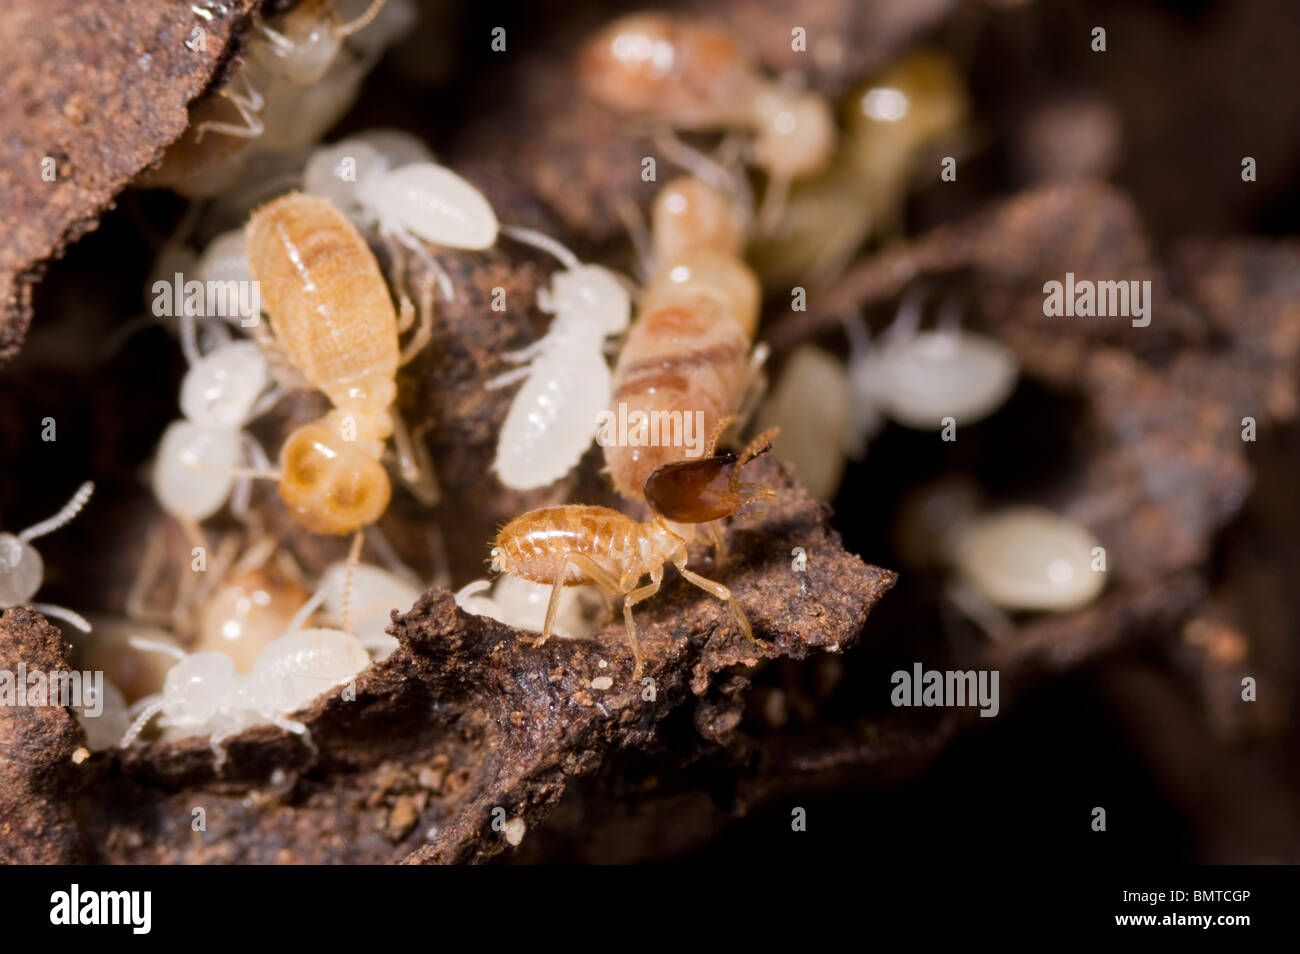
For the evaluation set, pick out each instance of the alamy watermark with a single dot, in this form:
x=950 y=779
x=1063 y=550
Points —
x=948 y=688
x=66 y=688
x=1087 y=299
x=214 y=299
x=624 y=428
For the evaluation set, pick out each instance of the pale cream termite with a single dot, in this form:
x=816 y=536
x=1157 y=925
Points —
x=295 y=81
x=331 y=313
x=578 y=544
x=890 y=122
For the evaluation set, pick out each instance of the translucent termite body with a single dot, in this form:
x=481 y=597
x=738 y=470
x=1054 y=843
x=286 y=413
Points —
x=246 y=613
x=922 y=379
x=522 y=604
x=331 y=314
x=297 y=80
x=375 y=593
x=1028 y=558
x=412 y=202
x=103 y=730
x=689 y=74
x=890 y=122
x=688 y=351
x=21 y=569
x=567 y=382
x=1016 y=559
x=204 y=694
x=578 y=544
x=812 y=406
x=194 y=471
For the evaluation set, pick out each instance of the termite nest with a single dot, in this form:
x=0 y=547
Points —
x=396 y=381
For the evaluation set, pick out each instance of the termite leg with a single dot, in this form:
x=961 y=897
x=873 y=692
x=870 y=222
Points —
x=424 y=331
x=249 y=104
x=753 y=385
x=145 y=578
x=722 y=593
x=634 y=223
x=630 y=600
x=413 y=463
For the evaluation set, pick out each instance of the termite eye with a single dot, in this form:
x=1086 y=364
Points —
x=693 y=491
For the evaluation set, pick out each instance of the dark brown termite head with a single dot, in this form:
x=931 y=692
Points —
x=698 y=491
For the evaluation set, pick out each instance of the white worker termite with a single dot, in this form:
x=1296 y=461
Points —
x=412 y=203
x=919 y=378
x=567 y=380
x=522 y=604
x=204 y=695
x=21 y=569
x=1016 y=559
x=200 y=455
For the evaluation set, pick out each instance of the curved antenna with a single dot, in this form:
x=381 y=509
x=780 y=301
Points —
x=63 y=613
x=363 y=21
x=544 y=242
x=141 y=721
x=155 y=646
x=70 y=510
x=305 y=611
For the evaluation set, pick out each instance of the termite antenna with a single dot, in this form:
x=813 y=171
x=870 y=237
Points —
x=759 y=445
x=304 y=612
x=141 y=721
x=718 y=430
x=354 y=557
x=544 y=242
x=63 y=613
x=363 y=21
x=70 y=510
x=155 y=646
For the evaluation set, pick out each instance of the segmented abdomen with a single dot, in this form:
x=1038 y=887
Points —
x=686 y=358
x=328 y=303
x=533 y=546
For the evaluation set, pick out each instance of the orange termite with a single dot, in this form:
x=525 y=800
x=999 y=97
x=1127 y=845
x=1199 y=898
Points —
x=331 y=314
x=577 y=544
x=688 y=351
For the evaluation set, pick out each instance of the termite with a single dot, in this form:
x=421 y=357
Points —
x=294 y=83
x=331 y=314
x=891 y=122
x=577 y=544
x=553 y=417
x=688 y=351
x=689 y=74
x=21 y=569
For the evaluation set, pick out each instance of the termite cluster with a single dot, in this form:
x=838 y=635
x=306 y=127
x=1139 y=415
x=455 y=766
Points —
x=254 y=638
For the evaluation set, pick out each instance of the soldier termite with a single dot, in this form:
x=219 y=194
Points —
x=21 y=569
x=578 y=544
x=689 y=74
x=331 y=315
x=890 y=123
x=688 y=351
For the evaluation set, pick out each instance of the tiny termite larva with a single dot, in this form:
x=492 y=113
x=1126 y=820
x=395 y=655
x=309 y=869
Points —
x=576 y=544
x=330 y=312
